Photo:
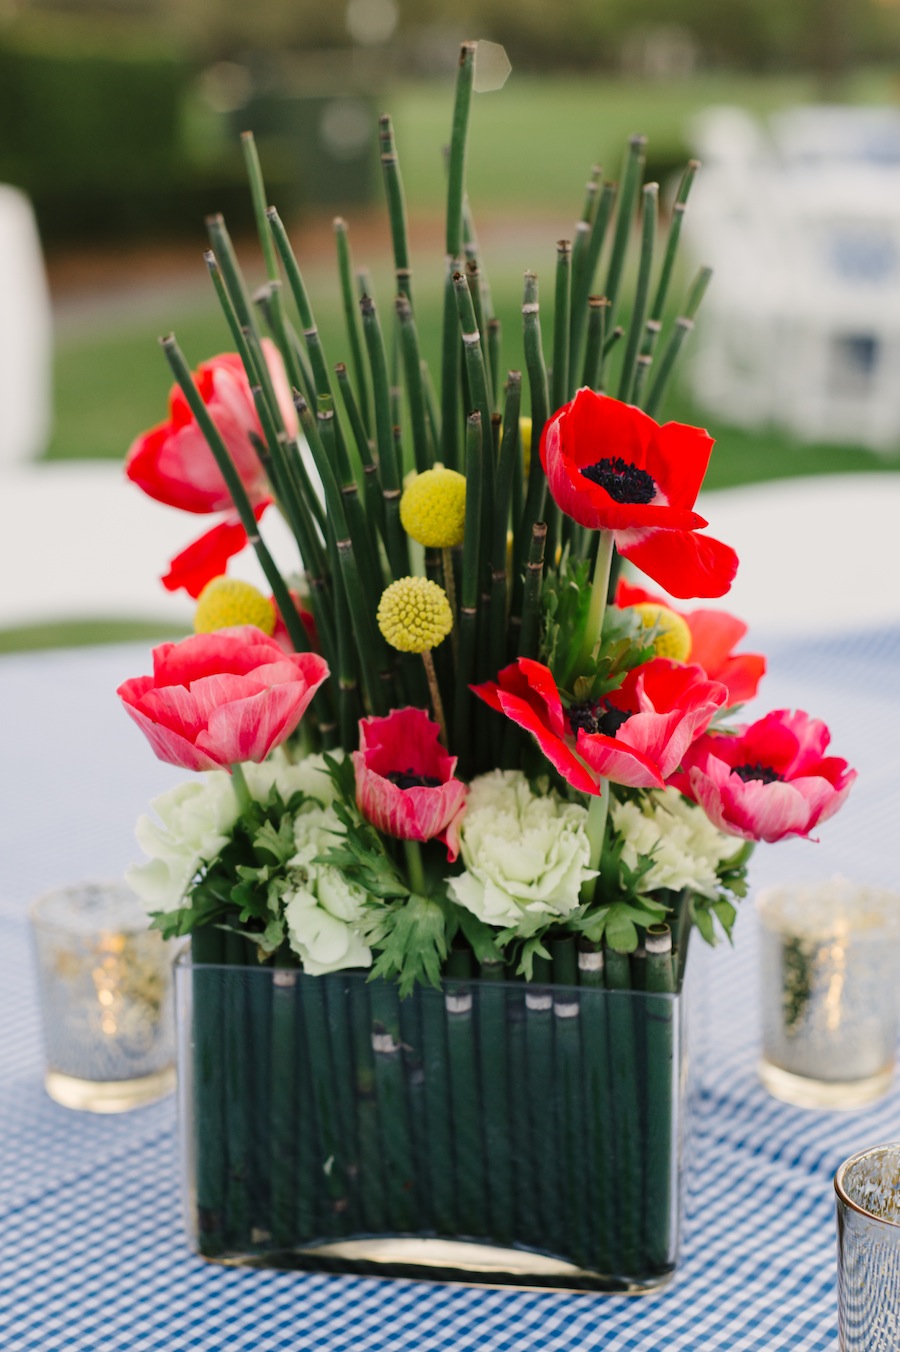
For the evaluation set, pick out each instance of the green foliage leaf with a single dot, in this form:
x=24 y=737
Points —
x=411 y=939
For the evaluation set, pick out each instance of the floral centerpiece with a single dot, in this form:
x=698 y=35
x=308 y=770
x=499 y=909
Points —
x=461 y=778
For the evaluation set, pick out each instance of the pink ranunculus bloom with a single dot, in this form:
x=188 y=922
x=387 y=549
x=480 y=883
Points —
x=636 y=735
x=771 y=781
x=404 y=779
x=609 y=466
x=220 y=699
x=714 y=635
x=173 y=463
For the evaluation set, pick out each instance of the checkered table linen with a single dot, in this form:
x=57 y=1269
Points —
x=93 y=1251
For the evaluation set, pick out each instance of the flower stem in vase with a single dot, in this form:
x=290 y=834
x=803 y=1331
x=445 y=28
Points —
x=259 y=991
x=661 y=1088
x=283 y=1116
x=494 y=1098
x=371 y=1163
x=396 y=1142
x=338 y=1007
x=599 y=1192
x=624 y=1097
x=542 y=1082
x=330 y=1150
x=570 y=1104
x=466 y=1116
x=210 y=1127
x=414 y=1078
x=238 y=1094
x=439 y=1164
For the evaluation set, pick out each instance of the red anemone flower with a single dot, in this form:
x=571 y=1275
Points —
x=173 y=463
x=207 y=556
x=404 y=779
x=772 y=780
x=714 y=634
x=636 y=735
x=610 y=467
x=216 y=700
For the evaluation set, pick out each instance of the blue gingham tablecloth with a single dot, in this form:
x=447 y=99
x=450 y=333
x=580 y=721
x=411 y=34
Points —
x=92 y=1252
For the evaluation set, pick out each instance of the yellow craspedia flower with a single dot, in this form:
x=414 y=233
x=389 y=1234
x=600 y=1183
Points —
x=525 y=438
x=414 y=615
x=226 y=601
x=433 y=508
x=673 y=638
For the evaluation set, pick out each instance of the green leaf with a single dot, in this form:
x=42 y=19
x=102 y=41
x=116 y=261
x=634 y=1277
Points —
x=412 y=942
x=620 y=931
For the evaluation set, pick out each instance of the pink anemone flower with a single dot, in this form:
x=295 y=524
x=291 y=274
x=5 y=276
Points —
x=771 y=781
x=404 y=779
x=636 y=735
x=216 y=700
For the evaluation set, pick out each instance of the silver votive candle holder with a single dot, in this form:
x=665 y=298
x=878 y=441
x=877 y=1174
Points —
x=105 y=992
x=867 y=1188
x=829 y=963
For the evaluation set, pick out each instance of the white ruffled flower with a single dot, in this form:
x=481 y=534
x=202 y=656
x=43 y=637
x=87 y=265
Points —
x=526 y=854
x=686 y=848
x=193 y=824
x=307 y=776
x=323 y=908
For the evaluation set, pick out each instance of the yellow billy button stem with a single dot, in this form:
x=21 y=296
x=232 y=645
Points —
x=433 y=512
x=225 y=601
x=414 y=616
x=673 y=637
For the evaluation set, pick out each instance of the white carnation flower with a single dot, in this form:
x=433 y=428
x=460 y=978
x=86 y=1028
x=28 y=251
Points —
x=687 y=850
x=526 y=853
x=323 y=908
x=307 y=776
x=193 y=824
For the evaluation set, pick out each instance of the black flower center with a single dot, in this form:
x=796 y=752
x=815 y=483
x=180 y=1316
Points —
x=765 y=773
x=623 y=482
x=408 y=779
x=596 y=716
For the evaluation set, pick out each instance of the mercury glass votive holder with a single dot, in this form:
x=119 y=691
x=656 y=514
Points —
x=829 y=963
x=868 y=1250
x=105 y=991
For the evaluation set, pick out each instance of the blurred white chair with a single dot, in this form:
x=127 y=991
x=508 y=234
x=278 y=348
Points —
x=801 y=327
x=26 y=341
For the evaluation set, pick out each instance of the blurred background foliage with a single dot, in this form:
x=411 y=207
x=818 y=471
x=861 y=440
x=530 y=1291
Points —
x=119 y=117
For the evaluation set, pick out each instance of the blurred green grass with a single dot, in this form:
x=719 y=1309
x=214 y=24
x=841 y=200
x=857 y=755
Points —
x=532 y=148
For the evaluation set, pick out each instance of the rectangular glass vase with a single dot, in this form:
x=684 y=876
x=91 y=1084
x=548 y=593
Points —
x=492 y=1132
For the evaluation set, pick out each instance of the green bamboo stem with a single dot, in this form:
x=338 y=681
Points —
x=473 y=282
x=649 y=226
x=237 y=1059
x=537 y=505
x=596 y=331
x=472 y=251
x=468 y=610
x=235 y=487
x=330 y=1150
x=283 y=1120
x=371 y=477
x=508 y=464
x=359 y=527
x=624 y=1094
x=451 y=367
x=456 y=167
x=432 y=410
x=600 y=1163
x=371 y=1179
x=338 y=1011
x=395 y=537
x=585 y=285
x=561 y=316
x=495 y=353
x=396 y=1141
x=210 y=1135
x=661 y=1079
x=674 y=235
x=494 y=1098
x=580 y=288
x=412 y=367
x=440 y=1159
x=641 y=371
x=679 y=332
x=596 y=610
x=461 y=1053
x=631 y=179
x=231 y=272
x=351 y=321
x=393 y=185
x=569 y=1097
x=543 y=1173
x=527 y=643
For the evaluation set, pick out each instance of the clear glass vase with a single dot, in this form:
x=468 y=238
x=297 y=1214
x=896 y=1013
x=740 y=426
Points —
x=491 y=1132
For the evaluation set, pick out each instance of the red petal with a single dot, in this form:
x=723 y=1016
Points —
x=619 y=762
x=684 y=563
x=207 y=557
x=677 y=458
